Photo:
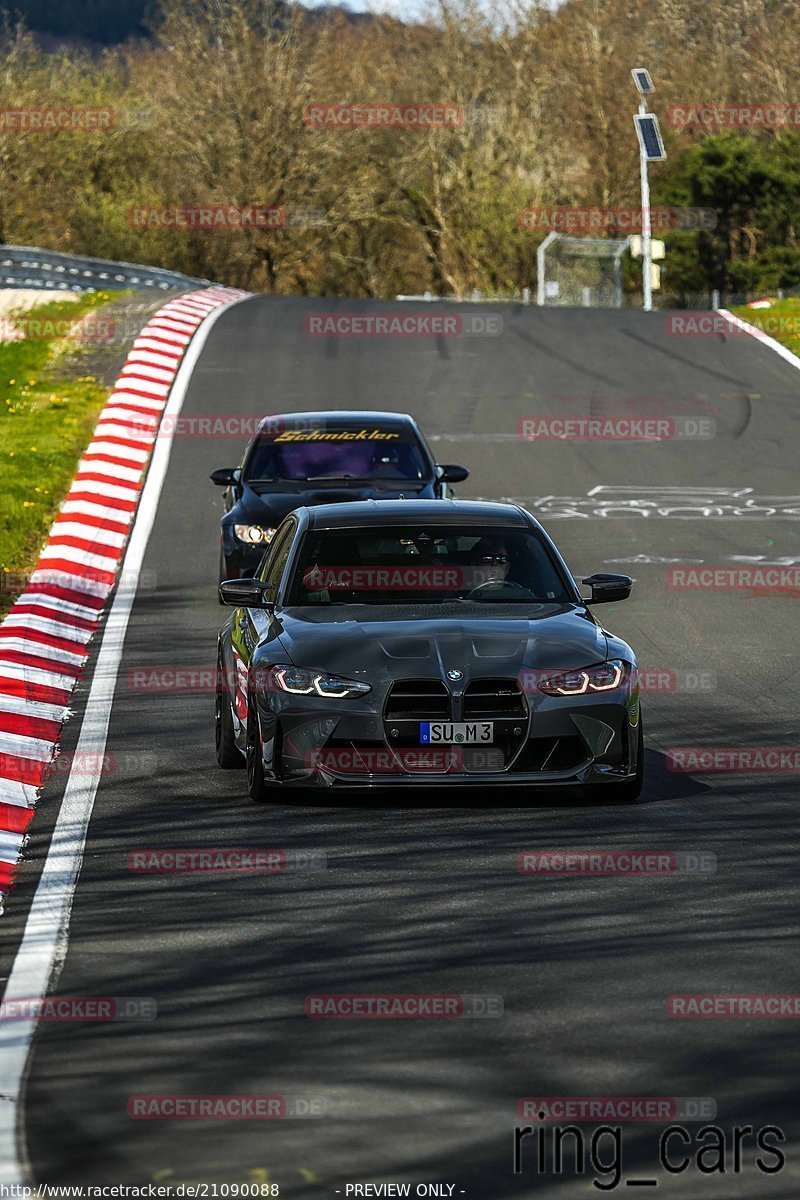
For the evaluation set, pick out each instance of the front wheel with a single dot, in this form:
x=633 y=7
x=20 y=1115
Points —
x=229 y=756
x=256 y=783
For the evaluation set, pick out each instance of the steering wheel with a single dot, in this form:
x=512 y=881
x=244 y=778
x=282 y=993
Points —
x=500 y=583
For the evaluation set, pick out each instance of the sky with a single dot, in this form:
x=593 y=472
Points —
x=406 y=10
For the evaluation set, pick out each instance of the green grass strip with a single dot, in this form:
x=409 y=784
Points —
x=46 y=423
x=781 y=321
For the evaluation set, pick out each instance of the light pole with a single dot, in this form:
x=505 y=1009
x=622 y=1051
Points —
x=647 y=258
x=651 y=149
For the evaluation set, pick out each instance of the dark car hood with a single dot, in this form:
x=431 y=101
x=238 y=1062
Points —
x=388 y=643
x=270 y=508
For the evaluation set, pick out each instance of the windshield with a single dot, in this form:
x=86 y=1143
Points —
x=425 y=565
x=319 y=454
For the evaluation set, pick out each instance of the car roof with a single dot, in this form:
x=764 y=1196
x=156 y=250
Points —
x=430 y=512
x=340 y=419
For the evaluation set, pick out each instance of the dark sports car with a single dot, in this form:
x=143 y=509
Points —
x=396 y=642
x=298 y=459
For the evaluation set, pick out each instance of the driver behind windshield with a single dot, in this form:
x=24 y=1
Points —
x=491 y=561
x=398 y=565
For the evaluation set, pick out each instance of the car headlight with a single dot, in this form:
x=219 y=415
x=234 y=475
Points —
x=604 y=677
x=299 y=682
x=254 y=535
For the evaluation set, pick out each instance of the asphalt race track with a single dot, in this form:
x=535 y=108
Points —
x=424 y=895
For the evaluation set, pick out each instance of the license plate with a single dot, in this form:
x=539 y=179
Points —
x=458 y=733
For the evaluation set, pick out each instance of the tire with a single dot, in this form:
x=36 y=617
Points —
x=257 y=786
x=229 y=756
x=628 y=792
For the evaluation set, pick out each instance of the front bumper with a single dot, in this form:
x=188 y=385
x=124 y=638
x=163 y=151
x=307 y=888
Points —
x=590 y=777
x=561 y=743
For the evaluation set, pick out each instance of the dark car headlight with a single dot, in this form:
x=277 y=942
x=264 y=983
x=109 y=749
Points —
x=300 y=682
x=603 y=677
x=254 y=535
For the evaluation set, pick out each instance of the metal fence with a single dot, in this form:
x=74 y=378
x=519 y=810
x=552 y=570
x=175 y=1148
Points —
x=593 y=298
x=30 y=267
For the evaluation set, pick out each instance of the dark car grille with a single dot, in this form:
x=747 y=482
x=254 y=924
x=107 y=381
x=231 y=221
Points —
x=418 y=700
x=487 y=698
x=500 y=700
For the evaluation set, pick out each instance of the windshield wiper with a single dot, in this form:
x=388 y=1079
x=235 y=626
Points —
x=393 y=481
x=350 y=478
x=507 y=599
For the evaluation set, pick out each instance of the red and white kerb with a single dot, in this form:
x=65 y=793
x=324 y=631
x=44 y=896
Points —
x=45 y=637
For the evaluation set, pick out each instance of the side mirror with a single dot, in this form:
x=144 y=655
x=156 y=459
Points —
x=223 y=477
x=608 y=588
x=452 y=473
x=244 y=593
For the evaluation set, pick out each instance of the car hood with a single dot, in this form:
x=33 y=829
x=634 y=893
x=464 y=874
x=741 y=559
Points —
x=358 y=643
x=269 y=508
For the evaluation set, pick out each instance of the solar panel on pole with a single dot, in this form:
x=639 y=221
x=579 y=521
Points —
x=649 y=135
x=644 y=84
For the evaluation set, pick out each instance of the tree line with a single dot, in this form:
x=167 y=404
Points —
x=214 y=111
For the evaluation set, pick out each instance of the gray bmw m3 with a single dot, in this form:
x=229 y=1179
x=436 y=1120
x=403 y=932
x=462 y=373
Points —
x=396 y=643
